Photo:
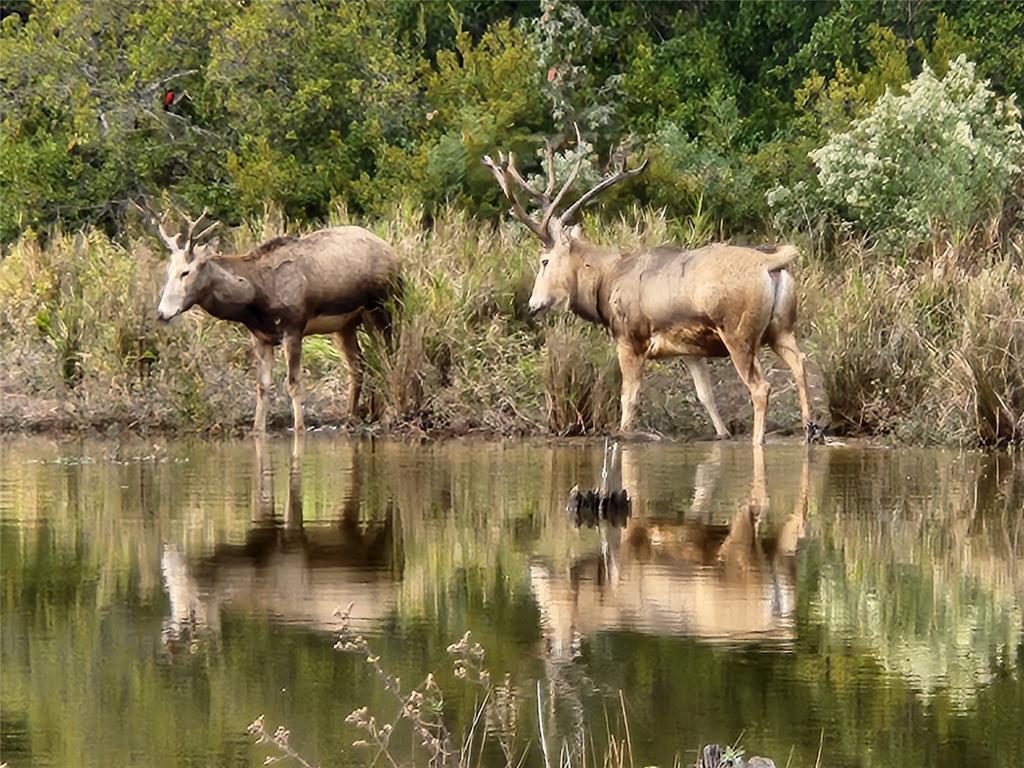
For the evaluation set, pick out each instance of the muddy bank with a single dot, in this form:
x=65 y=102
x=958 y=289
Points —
x=669 y=411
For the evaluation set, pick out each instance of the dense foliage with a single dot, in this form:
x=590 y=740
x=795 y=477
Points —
x=942 y=155
x=236 y=105
x=882 y=137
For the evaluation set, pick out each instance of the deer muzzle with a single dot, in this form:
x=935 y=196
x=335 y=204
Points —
x=165 y=316
x=539 y=306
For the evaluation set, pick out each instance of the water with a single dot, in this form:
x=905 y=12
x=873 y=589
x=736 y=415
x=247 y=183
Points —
x=157 y=598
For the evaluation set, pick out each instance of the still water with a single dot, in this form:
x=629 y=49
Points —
x=862 y=601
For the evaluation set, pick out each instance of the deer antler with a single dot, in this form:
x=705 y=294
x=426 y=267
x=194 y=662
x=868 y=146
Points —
x=503 y=171
x=509 y=178
x=570 y=213
x=171 y=241
x=193 y=225
x=549 y=211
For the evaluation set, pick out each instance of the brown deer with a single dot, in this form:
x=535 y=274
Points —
x=716 y=301
x=286 y=568
x=328 y=281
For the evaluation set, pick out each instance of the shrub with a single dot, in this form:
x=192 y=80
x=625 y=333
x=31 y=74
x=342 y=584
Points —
x=938 y=360
x=581 y=380
x=942 y=156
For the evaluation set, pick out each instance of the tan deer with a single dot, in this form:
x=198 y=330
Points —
x=719 y=583
x=328 y=281
x=716 y=301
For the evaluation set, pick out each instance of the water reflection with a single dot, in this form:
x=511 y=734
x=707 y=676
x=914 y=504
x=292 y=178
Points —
x=722 y=583
x=778 y=592
x=286 y=570
x=931 y=583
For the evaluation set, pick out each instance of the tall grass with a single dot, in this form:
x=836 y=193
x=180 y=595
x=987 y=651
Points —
x=927 y=348
x=418 y=732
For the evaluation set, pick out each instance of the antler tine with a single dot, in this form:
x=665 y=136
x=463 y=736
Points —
x=498 y=171
x=171 y=241
x=568 y=182
x=549 y=164
x=570 y=212
x=501 y=173
x=513 y=172
x=193 y=225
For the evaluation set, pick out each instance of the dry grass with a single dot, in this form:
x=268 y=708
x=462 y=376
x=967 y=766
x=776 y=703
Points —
x=926 y=348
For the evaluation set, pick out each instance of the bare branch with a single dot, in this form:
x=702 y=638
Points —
x=158 y=84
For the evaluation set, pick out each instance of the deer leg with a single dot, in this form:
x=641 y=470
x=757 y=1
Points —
x=264 y=381
x=293 y=356
x=785 y=346
x=744 y=358
x=380 y=319
x=702 y=381
x=348 y=343
x=632 y=367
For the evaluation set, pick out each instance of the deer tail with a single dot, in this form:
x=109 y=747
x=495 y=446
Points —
x=780 y=258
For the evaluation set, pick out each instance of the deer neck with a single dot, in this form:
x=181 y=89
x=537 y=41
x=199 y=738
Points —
x=588 y=299
x=228 y=293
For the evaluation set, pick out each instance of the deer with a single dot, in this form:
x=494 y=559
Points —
x=326 y=282
x=720 y=300
x=286 y=568
x=719 y=583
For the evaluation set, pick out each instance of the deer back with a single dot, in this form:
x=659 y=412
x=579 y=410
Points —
x=715 y=285
x=330 y=270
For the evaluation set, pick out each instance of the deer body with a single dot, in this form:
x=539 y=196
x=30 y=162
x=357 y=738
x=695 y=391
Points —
x=666 y=301
x=326 y=282
x=317 y=283
x=716 y=301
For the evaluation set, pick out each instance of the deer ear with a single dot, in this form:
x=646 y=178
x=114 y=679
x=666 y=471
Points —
x=205 y=250
x=575 y=232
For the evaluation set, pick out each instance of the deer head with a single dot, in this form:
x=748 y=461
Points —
x=186 y=268
x=557 y=232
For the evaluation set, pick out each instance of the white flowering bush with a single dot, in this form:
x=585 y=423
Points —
x=938 y=156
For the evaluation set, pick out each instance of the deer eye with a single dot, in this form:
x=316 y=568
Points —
x=543 y=263
x=184 y=273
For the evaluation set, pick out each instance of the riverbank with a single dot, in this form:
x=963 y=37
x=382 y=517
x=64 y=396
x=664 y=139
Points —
x=924 y=349
x=87 y=412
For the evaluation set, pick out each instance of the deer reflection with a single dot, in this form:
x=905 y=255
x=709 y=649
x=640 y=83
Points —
x=286 y=570
x=720 y=583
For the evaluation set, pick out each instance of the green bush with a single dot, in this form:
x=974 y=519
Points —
x=940 y=157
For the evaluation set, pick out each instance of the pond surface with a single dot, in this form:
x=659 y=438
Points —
x=862 y=601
